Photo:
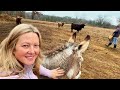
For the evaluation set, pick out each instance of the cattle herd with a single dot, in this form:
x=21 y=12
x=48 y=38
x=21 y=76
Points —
x=74 y=26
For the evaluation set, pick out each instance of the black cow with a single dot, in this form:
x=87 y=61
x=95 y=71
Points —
x=18 y=20
x=77 y=27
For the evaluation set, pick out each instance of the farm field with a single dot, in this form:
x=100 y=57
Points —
x=100 y=62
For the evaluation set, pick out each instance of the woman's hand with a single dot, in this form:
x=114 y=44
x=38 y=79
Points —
x=55 y=73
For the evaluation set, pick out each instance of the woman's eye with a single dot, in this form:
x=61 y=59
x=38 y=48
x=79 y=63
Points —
x=25 y=46
x=36 y=45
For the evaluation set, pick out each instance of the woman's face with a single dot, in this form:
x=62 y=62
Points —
x=27 y=48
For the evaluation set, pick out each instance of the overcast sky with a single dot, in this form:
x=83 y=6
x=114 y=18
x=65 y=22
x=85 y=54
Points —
x=110 y=16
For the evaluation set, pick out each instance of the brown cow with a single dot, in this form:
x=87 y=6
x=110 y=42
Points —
x=60 y=24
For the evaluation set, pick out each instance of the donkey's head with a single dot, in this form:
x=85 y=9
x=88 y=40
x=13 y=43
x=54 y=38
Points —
x=76 y=58
x=78 y=49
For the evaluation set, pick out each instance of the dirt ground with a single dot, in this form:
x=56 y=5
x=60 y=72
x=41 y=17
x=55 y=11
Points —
x=100 y=62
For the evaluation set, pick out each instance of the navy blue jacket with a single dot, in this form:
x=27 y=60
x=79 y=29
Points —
x=116 y=33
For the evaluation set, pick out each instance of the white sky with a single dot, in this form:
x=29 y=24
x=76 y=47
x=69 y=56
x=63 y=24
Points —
x=110 y=16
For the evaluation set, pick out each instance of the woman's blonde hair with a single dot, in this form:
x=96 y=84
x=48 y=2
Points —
x=8 y=61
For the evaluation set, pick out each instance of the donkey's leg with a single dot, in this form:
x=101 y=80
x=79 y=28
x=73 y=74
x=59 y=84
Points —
x=78 y=76
x=70 y=73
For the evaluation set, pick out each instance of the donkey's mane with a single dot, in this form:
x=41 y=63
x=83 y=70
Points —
x=57 y=50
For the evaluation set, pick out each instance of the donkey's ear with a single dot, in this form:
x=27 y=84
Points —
x=84 y=44
x=72 y=39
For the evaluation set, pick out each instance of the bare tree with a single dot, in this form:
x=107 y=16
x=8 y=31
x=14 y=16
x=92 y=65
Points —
x=100 y=20
x=118 y=20
x=20 y=13
x=36 y=13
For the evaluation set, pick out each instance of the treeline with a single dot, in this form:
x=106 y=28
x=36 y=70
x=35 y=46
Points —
x=14 y=13
x=100 y=21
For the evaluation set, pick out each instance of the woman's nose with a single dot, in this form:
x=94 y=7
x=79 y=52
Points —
x=31 y=50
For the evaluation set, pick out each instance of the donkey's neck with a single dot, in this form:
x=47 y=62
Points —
x=57 y=50
x=58 y=59
x=62 y=54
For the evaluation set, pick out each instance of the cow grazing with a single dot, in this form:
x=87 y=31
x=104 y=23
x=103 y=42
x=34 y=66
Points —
x=60 y=24
x=68 y=57
x=77 y=27
x=18 y=20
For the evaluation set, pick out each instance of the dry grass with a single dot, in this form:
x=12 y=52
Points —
x=100 y=62
x=6 y=18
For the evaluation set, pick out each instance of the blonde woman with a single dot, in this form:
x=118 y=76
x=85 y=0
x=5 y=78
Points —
x=21 y=56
